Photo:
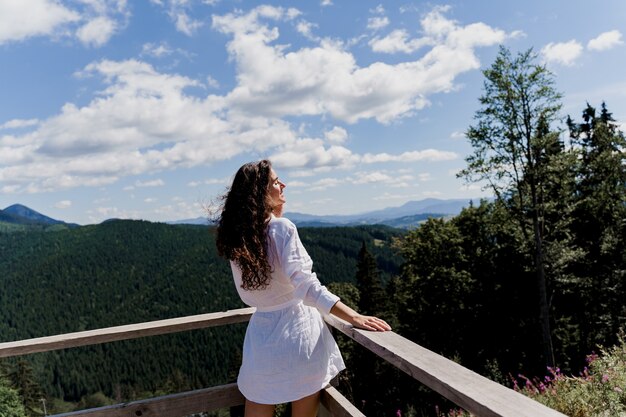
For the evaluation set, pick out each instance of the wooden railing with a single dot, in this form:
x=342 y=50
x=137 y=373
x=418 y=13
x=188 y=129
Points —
x=469 y=390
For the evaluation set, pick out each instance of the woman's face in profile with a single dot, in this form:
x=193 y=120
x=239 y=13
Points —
x=276 y=190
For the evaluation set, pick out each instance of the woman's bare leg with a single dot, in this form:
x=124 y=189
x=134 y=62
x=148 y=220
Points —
x=306 y=407
x=258 y=410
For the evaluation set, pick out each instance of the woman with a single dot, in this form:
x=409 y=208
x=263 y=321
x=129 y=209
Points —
x=289 y=354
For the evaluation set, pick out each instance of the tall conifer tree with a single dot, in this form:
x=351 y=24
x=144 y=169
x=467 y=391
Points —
x=372 y=299
x=600 y=221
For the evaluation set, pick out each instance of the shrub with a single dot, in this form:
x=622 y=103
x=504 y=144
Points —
x=598 y=391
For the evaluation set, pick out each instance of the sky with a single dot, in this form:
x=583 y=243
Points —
x=146 y=109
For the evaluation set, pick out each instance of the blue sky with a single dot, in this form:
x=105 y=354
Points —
x=145 y=109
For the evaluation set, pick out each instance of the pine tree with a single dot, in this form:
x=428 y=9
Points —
x=24 y=382
x=600 y=222
x=372 y=297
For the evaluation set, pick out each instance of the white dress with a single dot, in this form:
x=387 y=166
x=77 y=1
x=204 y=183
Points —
x=288 y=351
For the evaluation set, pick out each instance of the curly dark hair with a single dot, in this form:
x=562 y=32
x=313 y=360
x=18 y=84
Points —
x=242 y=225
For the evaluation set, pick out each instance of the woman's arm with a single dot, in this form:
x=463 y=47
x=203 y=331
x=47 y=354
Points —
x=358 y=320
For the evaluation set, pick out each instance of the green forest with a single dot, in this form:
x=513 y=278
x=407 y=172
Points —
x=530 y=281
x=122 y=272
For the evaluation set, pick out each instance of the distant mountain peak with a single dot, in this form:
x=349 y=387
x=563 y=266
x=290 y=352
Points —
x=30 y=215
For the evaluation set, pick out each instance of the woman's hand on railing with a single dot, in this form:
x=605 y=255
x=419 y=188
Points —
x=358 y=320
x=370 y=323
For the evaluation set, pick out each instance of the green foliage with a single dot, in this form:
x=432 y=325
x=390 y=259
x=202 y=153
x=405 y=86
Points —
x=599 y=225
x=23 y=380
x=599 y=391
x=511 y=138
x=335 y=250
x=436 y=283
x=122 y=272
x=117 y=273
x=348 y=293
x=372 y=299
x=515 y=152
x=10 y=401
x=470 y=275
x=94 y=400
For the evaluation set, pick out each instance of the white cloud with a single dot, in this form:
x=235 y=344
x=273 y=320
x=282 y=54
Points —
x=142 y=122
x=157 y=51
x=63 y=204
x=376 y=23
x=336 y=135
x=151 y=183
x=306 y=29
x=412 y=156
x=378 y=9
x=439 y=30
x=382 y=177
x=325 y=3
x=297 y=184
x=564 y=53
x=325 y=183
x=372 y=177
x=179 y=13
x=211 y=181
x=311 y=153
x=186 y=24
x=212 y=82
x=10 y=189
x=606 y=40
x=97 y=31
x=93 y=22
x=326 y=79
x=19 y=123
x=398 y=41
x=517 y=34
x=22 y=19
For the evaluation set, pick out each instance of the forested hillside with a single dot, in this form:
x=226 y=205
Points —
x=122 y=272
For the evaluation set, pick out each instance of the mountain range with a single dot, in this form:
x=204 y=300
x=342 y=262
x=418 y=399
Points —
x=408 y=215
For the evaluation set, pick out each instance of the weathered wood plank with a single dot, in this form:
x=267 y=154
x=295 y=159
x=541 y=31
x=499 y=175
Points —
x=469 y=390
x=336 y=405
x=174 y=405
x=131 y=331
